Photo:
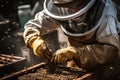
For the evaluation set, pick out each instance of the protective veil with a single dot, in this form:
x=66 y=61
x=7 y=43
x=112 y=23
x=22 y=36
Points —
x=64 y=13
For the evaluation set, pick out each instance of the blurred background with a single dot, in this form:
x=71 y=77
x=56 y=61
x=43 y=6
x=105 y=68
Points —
x=13 y=15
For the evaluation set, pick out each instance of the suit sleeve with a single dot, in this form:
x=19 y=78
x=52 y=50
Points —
x=40 y=25
x=96 y=55
x=106 y=49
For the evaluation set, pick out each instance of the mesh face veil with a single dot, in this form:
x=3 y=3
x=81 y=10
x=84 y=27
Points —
x=61 y=1
x=61 y=13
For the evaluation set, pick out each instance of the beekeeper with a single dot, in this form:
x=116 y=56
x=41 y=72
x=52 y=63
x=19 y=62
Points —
x=92 y=29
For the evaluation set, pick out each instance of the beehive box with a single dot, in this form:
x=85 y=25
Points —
x=60 y=73
x=10 y=64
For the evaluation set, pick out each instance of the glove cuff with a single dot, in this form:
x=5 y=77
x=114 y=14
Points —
x=72 y=51
x=33 y=40
x=35 y=43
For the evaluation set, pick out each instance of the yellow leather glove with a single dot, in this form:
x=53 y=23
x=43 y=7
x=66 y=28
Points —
x=40 y=47
x=61 y=56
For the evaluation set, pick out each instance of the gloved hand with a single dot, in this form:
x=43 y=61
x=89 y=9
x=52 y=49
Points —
x=63 y=55
x=40 y=47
